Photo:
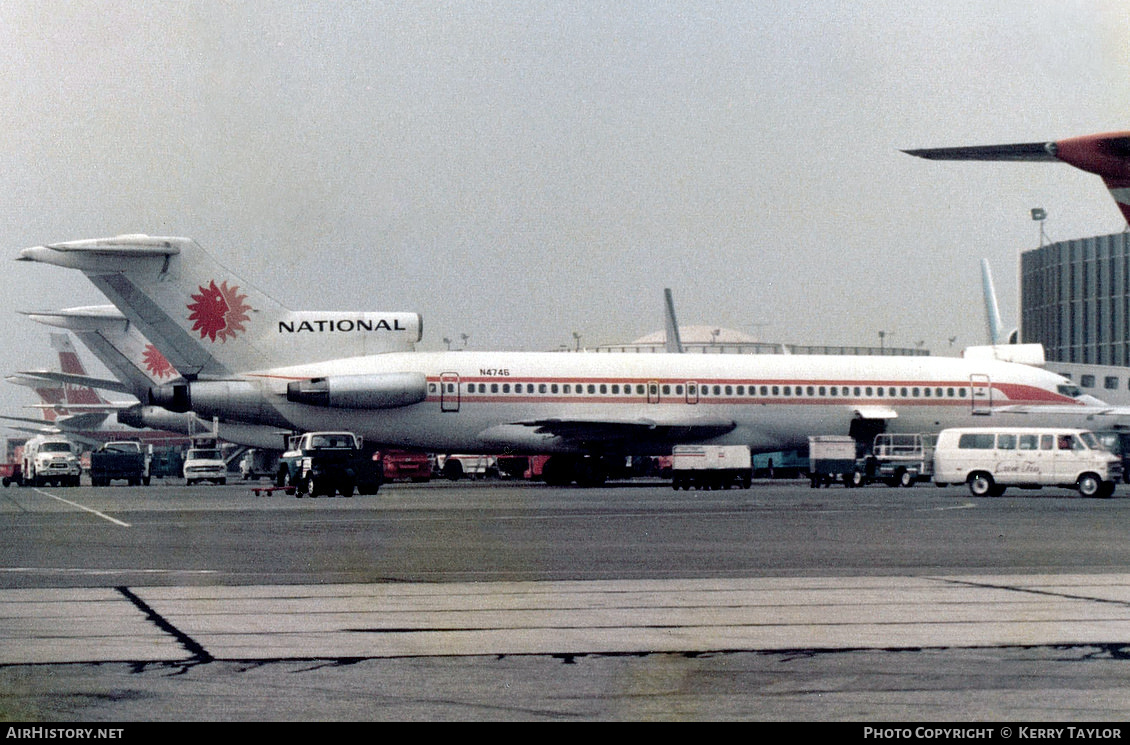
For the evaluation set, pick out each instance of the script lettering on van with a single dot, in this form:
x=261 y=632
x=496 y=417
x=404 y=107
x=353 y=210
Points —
x=344 y=325
x=1032 y=468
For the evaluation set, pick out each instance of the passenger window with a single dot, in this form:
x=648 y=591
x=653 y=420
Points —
x=1063 y=442
x=971 y=441
x=1028 y=442
x=1006 y=442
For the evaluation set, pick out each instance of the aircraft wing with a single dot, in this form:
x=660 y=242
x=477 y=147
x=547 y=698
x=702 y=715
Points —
x=602 y=430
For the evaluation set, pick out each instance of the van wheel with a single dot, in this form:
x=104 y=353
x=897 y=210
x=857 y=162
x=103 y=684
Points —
x=981 y=485
x=1089 y=485
x=906 y=478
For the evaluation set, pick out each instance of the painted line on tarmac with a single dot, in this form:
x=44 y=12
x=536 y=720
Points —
x=963 y=506
x=91 y=510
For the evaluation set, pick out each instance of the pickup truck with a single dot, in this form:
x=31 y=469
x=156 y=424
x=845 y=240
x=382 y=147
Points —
x=122 y=460
x=205 y=464
x=325 y=463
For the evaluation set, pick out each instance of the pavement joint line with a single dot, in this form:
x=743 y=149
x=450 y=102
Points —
x=1036 y=591
x=194 y=648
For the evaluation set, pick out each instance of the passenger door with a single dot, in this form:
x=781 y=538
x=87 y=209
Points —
x=449 y=392
x=981 y=393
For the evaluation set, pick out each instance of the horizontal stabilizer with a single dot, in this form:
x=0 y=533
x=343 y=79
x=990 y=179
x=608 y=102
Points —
x=1029 y=151
x=40 y=376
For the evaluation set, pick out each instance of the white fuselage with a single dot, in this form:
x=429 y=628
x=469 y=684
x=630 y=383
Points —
x=497 y=402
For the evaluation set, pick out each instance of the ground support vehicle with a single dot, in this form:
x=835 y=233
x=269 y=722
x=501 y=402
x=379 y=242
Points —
x=268 y=491
x=166 y=463
x=903 y=459
x=831 y=459
x=11 y=473
x=455 y=467
x=710 y=467
x=325 y=463
x=50 y=459
x=258 y=464
x=406 y=465
x=205 y=464
x=783 y=464
x=990 y=459
x=119 y=461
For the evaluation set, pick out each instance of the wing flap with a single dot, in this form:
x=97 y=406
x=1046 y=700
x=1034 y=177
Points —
x=604 y=431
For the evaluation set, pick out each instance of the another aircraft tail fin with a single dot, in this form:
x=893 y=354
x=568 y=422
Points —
x=70 y=364
x=674 y=342
x=117 y=343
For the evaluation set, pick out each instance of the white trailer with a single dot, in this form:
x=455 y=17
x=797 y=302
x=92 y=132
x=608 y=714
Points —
x=831 y=458
x=710 y=466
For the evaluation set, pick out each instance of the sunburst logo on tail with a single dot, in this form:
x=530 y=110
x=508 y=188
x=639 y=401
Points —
x=156 y=364
x=219 y=312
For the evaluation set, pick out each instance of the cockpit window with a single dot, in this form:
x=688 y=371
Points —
x=1069 y=389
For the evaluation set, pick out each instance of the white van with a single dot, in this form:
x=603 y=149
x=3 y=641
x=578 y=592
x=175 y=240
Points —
x=990 y=459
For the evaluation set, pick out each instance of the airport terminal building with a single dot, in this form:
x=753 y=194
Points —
x=1075 y=300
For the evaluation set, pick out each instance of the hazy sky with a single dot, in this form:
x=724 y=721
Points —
x=518 y=172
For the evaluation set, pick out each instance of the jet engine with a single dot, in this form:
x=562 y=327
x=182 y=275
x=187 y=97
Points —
x=241 y=400
x=375 y=391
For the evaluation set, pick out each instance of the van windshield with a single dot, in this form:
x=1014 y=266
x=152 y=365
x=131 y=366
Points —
x=1091 y=441
x=203 y=454
x=56 y=447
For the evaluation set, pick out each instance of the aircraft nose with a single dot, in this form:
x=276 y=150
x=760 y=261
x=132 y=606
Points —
x=35 y=253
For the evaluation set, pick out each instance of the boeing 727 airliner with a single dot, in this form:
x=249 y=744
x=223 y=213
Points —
x=248 y=358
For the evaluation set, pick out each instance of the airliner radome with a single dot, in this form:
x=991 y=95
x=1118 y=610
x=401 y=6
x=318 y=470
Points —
x=246 y=357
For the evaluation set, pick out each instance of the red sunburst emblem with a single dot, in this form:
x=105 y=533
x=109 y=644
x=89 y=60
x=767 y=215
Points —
x=219 y=312
x=156 y=364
